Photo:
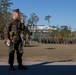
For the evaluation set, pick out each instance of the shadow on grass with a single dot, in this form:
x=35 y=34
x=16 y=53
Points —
x=41 y=69
x=50 y=48
x=32 y=46
x=65 y=60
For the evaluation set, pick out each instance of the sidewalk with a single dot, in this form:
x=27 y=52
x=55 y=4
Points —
x=41 y=68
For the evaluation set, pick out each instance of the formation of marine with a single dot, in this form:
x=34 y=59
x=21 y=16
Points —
x=57 y=40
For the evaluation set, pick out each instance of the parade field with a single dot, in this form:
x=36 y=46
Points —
x=38 y=52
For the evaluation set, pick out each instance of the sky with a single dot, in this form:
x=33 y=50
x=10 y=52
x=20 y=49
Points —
x=62 y=12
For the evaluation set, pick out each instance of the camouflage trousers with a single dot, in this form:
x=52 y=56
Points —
x=26 y=43
x=18 y=48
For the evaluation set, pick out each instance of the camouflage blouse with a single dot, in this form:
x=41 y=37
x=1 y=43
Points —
x=13 y=29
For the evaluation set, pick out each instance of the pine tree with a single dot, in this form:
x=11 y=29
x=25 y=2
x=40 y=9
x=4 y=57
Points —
x=4 y=12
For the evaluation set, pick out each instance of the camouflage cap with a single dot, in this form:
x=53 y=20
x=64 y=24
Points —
x=16 y=10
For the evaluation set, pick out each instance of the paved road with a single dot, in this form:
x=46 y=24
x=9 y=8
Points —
x=41 y=68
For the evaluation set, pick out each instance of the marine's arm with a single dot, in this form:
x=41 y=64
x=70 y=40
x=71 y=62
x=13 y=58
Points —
x=7 y=31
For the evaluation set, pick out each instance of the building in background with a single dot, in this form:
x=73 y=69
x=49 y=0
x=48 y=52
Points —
x=41 y=28
x=40 y=31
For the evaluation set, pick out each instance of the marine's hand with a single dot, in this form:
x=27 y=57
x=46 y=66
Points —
x=22 y=21
x=8 y=40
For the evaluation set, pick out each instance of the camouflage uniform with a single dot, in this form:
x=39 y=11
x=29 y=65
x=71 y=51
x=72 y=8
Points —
x=26 y=43
x=12 y=31
x=26 y=36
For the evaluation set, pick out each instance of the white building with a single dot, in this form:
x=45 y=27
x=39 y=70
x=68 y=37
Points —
x=41 y=28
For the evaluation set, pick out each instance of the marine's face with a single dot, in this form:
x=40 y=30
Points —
x=15 y=15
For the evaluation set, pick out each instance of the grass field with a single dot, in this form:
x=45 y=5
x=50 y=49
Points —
x=43 y=52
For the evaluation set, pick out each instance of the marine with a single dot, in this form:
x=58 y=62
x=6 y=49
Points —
x=12 y=33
